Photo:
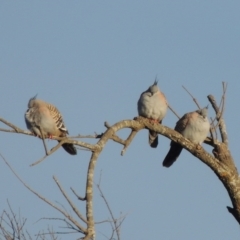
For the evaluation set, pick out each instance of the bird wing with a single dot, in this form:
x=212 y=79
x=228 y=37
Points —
x=57 y=117
x=182 y=123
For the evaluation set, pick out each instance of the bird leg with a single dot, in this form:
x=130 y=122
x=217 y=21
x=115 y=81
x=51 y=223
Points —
x=50 y=136
x=153 y=120
x=198 y=146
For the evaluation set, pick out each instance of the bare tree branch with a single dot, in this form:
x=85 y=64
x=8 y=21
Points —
x=10 y=125
x=70 y=218
x=126 y=142
x=221 y=162
x=12 y=226
x=69 y=201
x=222 y=126
x=117 y=223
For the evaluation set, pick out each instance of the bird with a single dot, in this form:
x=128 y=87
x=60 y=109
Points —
x=45 y=121
x=153 y=105
x=195 y=127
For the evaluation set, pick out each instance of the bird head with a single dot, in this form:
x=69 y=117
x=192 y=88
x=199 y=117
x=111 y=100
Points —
x=203 y=112
x=154 y=88
x=31 y=101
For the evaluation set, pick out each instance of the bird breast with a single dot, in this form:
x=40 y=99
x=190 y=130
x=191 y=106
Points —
x=197 y=130
x=152 y=106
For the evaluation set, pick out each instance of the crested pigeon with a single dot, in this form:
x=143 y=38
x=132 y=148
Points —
x=152 y=104
x=44 y=120
x=195 y=127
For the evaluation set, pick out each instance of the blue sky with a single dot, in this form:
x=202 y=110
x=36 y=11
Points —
x=92 y=59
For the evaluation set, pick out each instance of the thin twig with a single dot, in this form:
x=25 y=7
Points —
x=222 y=126
x=115 y=222
x=44 y=143
x=174 y=112
x=74 y=208
x=212 y=128
x=10 y=125
x=221 y=105
x=69 y=225
x=48 y=154
x=79 y=197
x=70 y=218
x=193 y=98
x=38 y=161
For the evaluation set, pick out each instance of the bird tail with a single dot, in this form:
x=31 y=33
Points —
x=68 y=147
x=153 y=139
x=172 y=155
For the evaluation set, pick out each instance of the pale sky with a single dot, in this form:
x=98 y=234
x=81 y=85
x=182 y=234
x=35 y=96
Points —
x=93 y=59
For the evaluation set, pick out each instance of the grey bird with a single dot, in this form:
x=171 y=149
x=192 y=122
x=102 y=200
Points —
x=195 y=127
x=152 y=104
x=44 y=120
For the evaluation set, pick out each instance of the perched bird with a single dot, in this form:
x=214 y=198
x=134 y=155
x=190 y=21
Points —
x=152 y=104
x=45 y=121
x=195 y=127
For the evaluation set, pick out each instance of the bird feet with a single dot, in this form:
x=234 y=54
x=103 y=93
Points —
x=198 y=146
x=50 y=136
x=153 y=120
